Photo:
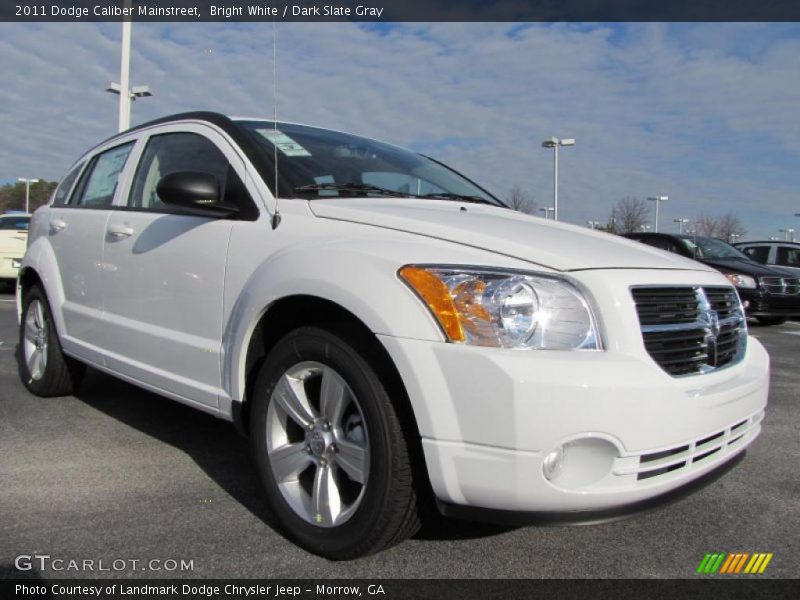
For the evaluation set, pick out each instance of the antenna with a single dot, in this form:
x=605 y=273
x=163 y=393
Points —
x=276 y=218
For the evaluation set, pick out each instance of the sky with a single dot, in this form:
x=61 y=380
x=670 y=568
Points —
x=708 y=114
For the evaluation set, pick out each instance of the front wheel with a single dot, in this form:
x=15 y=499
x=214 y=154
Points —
x=43 y=367
x=330 y=448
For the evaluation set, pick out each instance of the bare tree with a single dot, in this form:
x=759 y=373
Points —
x=730 y=227
x=707 y=225
x=629 y=215
x=518 y=199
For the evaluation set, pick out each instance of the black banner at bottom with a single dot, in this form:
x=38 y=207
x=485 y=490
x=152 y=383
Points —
x=399 y=589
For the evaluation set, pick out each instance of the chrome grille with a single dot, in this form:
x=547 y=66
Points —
x=781 y=286
x=691 y=329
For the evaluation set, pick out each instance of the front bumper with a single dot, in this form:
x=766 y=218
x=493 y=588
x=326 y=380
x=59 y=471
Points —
x=759 y=304
x=9 y=265
x=631 y=432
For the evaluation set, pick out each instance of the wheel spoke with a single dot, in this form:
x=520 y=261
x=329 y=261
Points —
x=38 y=315
x=326 y=504
x=332 y=397
x=30 y=331
x=289 y=461
x=291 y=398
x=35 y=364
x=352 y=459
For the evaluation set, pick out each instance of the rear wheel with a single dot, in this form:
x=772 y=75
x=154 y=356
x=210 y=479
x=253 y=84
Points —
x=330 y=448
x=43 y=367
x=771 y=320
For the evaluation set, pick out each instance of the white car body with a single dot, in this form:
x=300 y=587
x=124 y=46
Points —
x=171 y=303
x=12 y=245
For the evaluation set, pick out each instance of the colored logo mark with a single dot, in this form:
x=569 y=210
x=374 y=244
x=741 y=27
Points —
x=734 y=563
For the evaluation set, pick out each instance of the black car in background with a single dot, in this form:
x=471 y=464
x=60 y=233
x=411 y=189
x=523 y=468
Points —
x=769 y=294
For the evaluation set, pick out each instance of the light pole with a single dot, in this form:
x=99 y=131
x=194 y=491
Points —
x=786 y=233
x=28 y=183
x=593 y=224
x=644 y=227
x=658 y=200
x=733 y=237
x=554 y=143
x=126 y=93
x=680 y=223
x=546 y=210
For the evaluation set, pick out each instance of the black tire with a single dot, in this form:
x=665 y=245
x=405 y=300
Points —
x=61 y=375
x=388 y=510
x=771 y=320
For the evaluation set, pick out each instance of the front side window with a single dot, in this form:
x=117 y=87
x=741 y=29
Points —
x=100 y=182
x=788 y=256
x=172 y=153
x=316 y=163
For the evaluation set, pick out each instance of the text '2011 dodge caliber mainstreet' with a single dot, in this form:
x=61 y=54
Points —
x=385 y=330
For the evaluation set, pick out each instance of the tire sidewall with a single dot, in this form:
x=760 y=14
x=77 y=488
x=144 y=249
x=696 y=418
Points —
x=38 y=386
x=311 y=344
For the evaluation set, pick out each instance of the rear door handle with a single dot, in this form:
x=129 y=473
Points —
x=57 y=225
x=119 y=231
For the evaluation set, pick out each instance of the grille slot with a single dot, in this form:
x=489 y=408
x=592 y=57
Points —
x=689 y=330
x=713 y=446
x=781 y=286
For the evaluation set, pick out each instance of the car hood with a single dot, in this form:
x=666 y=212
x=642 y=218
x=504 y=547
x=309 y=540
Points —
x=547 y=243
x=13 y=240
x=747 y=267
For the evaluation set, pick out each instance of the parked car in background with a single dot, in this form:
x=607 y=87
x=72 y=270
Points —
x=390 y=335
x=769 y=294
x=13 y=240
x=784 y=255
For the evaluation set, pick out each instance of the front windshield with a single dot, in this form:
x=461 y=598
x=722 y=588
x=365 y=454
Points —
x=318 y=163
x=17 y=223
x=712 y=248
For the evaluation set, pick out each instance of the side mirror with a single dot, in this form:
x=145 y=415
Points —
x=197 y=193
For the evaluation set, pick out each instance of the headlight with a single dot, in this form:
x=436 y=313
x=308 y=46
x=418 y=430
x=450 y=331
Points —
x=505 y=309
x=741 y=281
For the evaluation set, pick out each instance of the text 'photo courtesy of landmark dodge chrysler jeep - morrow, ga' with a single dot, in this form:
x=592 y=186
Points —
x=389 y=335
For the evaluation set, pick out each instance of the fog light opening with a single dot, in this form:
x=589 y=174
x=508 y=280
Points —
x=552 y=462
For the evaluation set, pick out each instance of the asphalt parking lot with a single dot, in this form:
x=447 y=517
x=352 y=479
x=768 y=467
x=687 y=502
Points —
x=119 y=473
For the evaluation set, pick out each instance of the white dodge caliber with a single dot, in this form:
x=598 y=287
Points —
x=385 y=330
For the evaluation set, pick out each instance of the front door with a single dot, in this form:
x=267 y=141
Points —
x=164 y=286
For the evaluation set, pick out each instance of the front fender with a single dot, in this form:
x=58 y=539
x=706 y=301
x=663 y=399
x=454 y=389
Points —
x=365 y=283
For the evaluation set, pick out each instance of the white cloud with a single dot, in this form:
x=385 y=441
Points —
x=704 y=113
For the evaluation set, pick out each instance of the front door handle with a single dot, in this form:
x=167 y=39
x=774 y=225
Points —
x=57 y=225
x=120 y=231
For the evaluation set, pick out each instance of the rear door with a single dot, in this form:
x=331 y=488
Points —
x=165 y=281
x=76 y=231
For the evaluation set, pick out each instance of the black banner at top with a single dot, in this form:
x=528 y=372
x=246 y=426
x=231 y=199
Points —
x=400 y=10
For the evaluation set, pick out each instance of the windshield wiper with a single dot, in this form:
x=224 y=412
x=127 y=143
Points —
x=364 y=188
x=458 y=197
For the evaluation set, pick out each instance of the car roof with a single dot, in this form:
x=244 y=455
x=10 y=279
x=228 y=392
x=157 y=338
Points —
x=782 y=242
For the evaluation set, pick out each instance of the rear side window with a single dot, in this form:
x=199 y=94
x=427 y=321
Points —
x=99 y=183
x=758 y=253
x=788 y=256
x=62 y=193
